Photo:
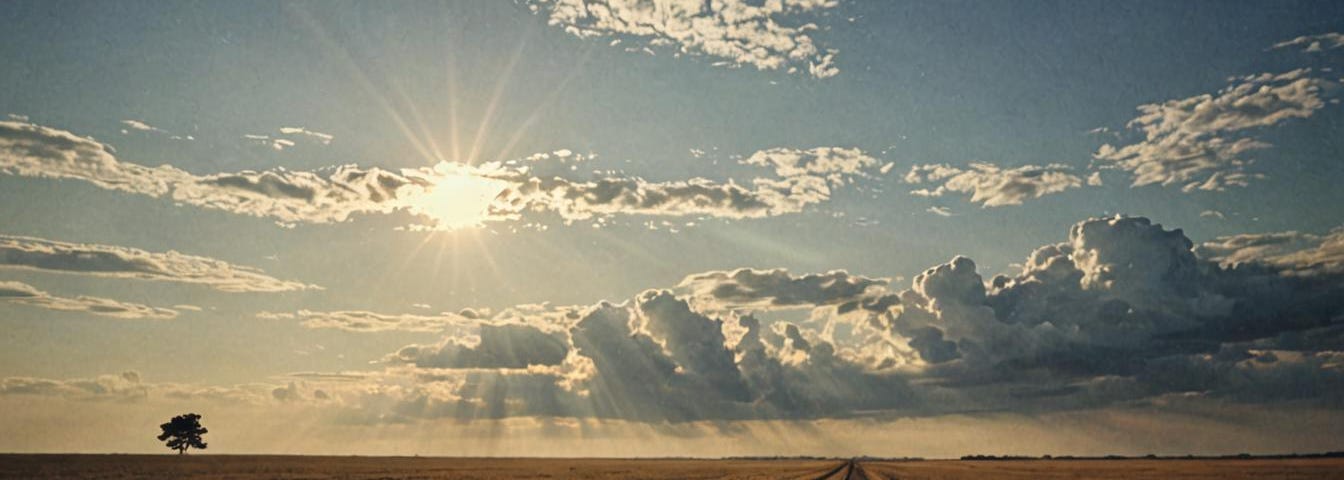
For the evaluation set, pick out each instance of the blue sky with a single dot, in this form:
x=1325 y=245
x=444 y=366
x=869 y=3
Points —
x=132 y=126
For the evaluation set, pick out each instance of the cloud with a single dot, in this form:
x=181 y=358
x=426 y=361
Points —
x=363 y=321
x=22 y=293
x=497 y=346
x=609 y=197
x=140 y=126
x=940 y=211
x=129 y=387
x=325 y=196
x=1291 y=252
x=447 y=195
x=123 y=386
x=803 y=178
x=544 y=316
x=1122 y=312
x=1314 y=43
x=1202 y=142
x=1126 y=307
x=290 y=132
x=740 y=33
x=993 y=186
x=750 y=289
x=563 y=155
x=36 y=151
x=834 y=164
x=323 y=138
x=125 y=262
x=278 y=143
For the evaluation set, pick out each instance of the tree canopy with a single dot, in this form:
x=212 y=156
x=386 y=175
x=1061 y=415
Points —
x=183 y=432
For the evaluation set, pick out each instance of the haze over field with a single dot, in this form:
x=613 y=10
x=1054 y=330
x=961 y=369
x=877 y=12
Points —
x=612 y=228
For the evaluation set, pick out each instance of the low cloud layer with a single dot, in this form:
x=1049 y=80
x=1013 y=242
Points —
x=125 y=262
x=767 y=36
x=496 y=346
x=993 y=186
x=125 y=385
x=1292 y=251
x=1123 y=312
x=447 y=195
x=750 y=289
x=22 y=293
x=1205 y=142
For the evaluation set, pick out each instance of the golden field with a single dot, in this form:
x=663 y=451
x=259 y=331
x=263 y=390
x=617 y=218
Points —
x=246 y=467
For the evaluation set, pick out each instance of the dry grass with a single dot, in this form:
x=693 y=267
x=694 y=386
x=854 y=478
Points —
x=205 y=466
x=89 y=467
x=1304 y=469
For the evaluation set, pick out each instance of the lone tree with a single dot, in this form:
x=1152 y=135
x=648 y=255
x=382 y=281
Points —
x=183 y=432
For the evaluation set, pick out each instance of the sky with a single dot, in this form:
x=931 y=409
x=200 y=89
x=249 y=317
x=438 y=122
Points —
x=656 y=227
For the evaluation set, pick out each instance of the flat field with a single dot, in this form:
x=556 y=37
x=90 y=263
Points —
x=204 y=466
x=1252 y=469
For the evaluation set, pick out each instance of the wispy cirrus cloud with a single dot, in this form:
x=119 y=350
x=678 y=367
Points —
x=125 y=262
x=447 y=195
x=764 y=35
x=993 y=186
x=1314 y=43
x=140 y=126
x=323 y=138
x=365 y=321
x=288 y=137
x=277 y=144
x=22 y=293
x=546 y=317
x=1203 y=142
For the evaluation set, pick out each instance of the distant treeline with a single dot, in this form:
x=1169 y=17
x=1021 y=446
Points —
x=1239 y=456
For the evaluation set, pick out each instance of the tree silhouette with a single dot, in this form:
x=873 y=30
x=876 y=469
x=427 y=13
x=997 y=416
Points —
x=183 y=432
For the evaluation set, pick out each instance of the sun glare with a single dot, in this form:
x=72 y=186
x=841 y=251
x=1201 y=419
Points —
x=458 y=198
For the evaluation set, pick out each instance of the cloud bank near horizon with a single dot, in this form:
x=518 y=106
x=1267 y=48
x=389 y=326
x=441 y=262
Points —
x=1123 y=312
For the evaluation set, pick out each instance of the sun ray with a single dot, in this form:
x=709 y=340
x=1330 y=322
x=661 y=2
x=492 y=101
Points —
x=320 y=34
x=483 y=128
x=525 y=127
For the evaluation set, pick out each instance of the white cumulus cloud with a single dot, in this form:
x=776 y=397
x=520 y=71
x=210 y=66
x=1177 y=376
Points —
x=765 y=35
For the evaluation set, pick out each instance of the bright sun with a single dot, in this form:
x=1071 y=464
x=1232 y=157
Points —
x=458 y=199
